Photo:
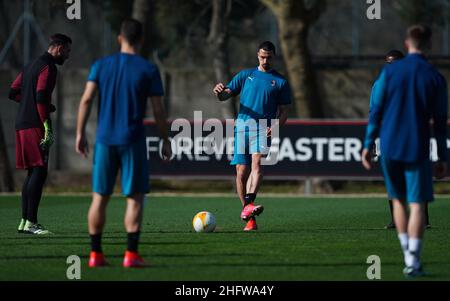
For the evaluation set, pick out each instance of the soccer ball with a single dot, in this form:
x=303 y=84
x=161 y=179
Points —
x=204 y=221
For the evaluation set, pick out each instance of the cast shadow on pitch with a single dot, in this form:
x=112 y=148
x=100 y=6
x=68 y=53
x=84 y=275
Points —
x=81 y=235
x=116 y=234
x=283 y=264
x=49 y=237
x=201 y=255
x=86 y=243
x=143 y=253
x=291 y=230
x=59 y=257
x=149 y=243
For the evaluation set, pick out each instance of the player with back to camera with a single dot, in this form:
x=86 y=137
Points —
x=32 y=89
x=409 y=94
x=265 y=95
x=125 y=80
x=391 y=57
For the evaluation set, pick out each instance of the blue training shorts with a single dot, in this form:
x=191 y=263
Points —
x=412 y=182
x=131 y=159
x=248 y=142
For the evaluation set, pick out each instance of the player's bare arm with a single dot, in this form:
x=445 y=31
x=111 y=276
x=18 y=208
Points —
x=366 y=159
x=81 y=143
x=222 y=92
x=282 y=117
x=159 y=113
x=283 y=114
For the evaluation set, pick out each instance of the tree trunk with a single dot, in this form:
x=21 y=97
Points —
x=141 y=12
x=218 y=48
x=4 y=17
x=6 y=176
x=293 y=35
x=294 y=21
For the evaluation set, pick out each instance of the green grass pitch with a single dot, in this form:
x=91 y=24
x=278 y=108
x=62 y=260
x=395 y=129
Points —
x=298 y=239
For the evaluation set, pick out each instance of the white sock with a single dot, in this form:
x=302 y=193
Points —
x=403 y=237
x=28 y=224
x=415 y=248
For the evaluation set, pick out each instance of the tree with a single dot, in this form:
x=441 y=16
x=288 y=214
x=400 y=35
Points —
x=294 y=21
x=4 y=35
x=430 y=12
x=218 y=48
x=141 y=12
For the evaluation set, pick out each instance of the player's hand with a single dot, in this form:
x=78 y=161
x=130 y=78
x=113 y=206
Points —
x=222 y=93
x=48 y=136
x=440 y=170
x=166 y=150
x=219 y=88
x=366 y=159
x=52 y=108
x=269 y=129
x=81 y=145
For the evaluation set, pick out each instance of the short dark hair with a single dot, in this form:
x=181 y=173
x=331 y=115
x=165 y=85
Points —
x=394 y=55
x=420 y=36
x=59 y=39
x=267 y=46
x=131 y=30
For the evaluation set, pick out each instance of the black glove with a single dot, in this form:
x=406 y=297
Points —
x=52 y=108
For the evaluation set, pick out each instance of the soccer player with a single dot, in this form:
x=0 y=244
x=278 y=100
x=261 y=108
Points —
x=32 y=89
x=124 y=80
x=391 y=57
x=410 y=93
x=265 y=95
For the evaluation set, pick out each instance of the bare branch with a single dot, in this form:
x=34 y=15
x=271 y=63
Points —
x=286 y=8
x=273 y=5
x=315 y=11
x=229 y=7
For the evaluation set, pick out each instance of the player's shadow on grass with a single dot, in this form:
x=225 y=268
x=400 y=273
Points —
x=231 y=264
x=149 y=243
x=352 y=229
x=86 y=243
x=49 y=237
x=216 y=255
x=61 y=236
x=108 y=255
x=59 y=257
x=282 y=264
x=144 y=254
x=293 y=230
x=123 y=232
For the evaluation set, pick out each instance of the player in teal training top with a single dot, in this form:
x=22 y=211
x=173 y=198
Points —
x=390 y=58
x=265 y=95
x=125 y=81
x=409 y=93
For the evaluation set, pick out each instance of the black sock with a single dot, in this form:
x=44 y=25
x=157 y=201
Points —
x=96 y=242
x=25 y=196
x=392 y=210
x=133 y=241
x=249 y=198
x=34 y=191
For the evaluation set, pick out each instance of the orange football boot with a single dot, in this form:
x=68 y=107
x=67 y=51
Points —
x=96 y=259
x=133 y=260
x=251 y=210
x=251 y=225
